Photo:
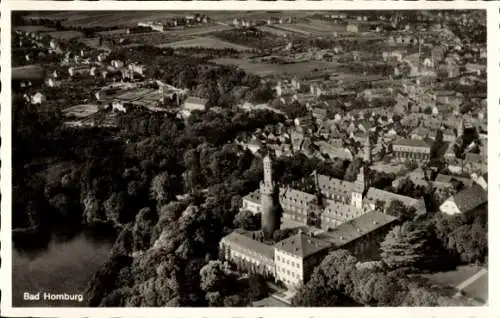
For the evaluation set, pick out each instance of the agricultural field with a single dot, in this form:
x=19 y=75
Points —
x=80 y=111
x=112 y=33
x=104 y=18
x=253 y=38
x=301 y=69
x=312 y=28
x=273 y=31
x=136 y=93
x=319 y=27
x=28 y=72
x=94 y=43
x=205 y=42
x=65 y=35
x=34 y=28
x=200 y=30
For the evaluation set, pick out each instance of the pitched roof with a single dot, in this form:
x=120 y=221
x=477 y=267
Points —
x=302 y=245
x=287 y=193
x=356 y=228
x=253 y=197
x=334 y=185
x=474 y=157
x=470 y=198
x=196 y=100
x=242 y=240
x=386 y=196
x=447 y=179
x=411 y=143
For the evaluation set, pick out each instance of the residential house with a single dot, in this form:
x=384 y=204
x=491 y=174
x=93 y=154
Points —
x=194 y=103
x=465 y=200
x=38 y=98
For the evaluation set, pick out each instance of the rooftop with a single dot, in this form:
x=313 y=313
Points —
x=196 y=100
x=356 y=228
x=302 y=245
x=447 y=179
x=377 y=194
x=470 y=198
x=253 y=196
x=412 y=143
x=243 y=240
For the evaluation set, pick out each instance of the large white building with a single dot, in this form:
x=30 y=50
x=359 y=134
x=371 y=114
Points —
x=343 y=219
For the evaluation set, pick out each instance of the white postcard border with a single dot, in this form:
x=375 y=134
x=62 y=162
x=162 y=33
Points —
x=493 y=39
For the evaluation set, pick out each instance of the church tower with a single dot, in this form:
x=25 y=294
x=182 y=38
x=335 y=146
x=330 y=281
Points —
x=368 y=150
x=267 y=191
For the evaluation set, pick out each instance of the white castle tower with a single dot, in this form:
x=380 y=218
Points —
x=267 y=187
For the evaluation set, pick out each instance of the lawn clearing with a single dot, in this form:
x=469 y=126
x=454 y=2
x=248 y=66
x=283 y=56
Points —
x=80 y=111
x=478 y=289
x=34 y=28
x=273 y=31
x=300 y=69
x=28 y=72
x=455 y=277
x=135 y=93
x=66 y=35
x=205 y=42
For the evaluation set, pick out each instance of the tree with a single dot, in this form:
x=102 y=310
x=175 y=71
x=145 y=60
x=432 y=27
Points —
x=257 y=287
x=400 y=210
x=235 y=301
x=114 y=207
x=330 y=279
x=247 y=220
x=160 y=187
x=213 y=277
x=375 y=288
x=143 y=226
x=406 y=247
x=352 y=171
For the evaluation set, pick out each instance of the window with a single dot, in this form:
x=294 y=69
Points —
x=288 y=272
x=278 y=258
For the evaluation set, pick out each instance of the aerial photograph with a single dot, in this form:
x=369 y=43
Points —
x=249 y=158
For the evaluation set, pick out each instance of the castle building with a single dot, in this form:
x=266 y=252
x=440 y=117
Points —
x=332 y=212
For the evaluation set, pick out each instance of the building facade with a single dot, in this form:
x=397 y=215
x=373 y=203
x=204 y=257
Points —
x=411 y=150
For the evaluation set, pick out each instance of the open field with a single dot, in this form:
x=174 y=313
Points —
x=271 y=30
x=302 y=69
x=131 y=18
x=28 y=72
x=205 y=42
x=80 y=111
x=291 y=28
x=162 y=38
x=65 y=35
x=477 y=288
x=94 y=43
x=204 y=29
x=135 y=93
x=319 y=27
x=34 y=28
x=104 y=19
x=112 y=33
x=453 y=278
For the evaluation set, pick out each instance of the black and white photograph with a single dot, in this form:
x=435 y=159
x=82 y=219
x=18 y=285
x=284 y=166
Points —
x=249 y=158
